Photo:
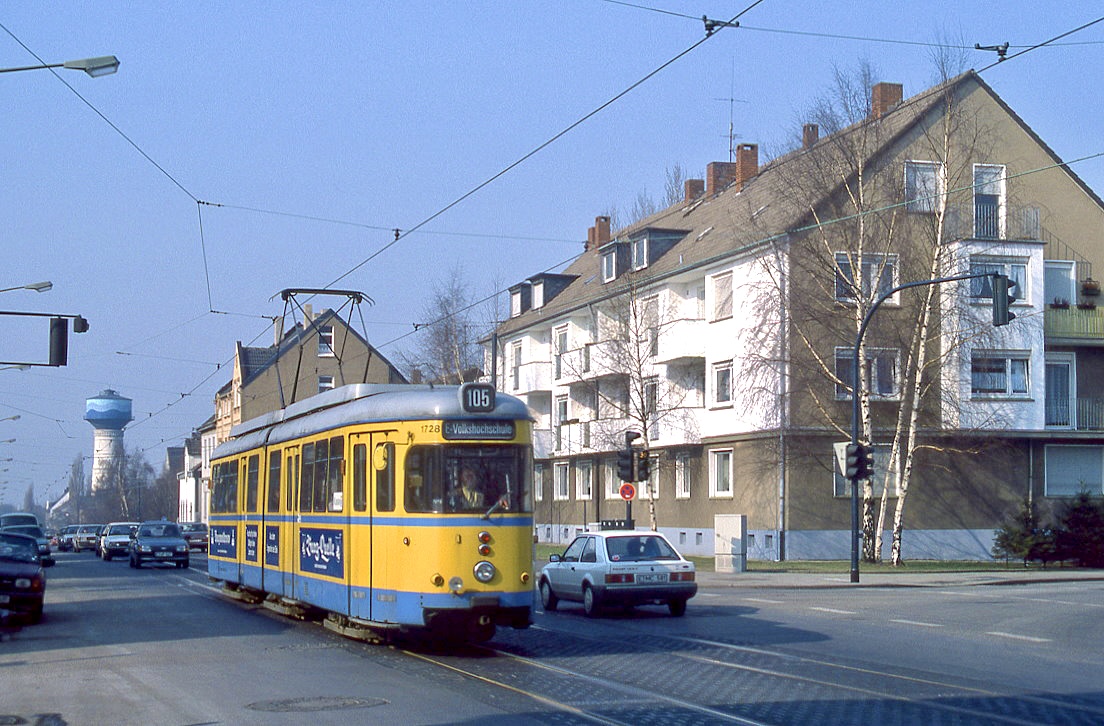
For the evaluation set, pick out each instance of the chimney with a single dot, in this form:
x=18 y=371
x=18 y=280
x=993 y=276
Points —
x=308 y=313
x=747 y=163
x=693 y=188
x=718 y=175
x=810 y=134
x=278 y=329
x=599 y=234
x=884 y=97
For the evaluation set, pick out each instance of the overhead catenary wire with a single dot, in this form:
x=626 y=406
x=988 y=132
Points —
x=190 y=195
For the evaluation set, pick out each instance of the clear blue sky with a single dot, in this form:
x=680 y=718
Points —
x=376 y=116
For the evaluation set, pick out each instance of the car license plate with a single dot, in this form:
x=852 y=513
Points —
x=164 y=554
x=651 y=579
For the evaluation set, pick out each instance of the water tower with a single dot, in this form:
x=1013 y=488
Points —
x=109 y=413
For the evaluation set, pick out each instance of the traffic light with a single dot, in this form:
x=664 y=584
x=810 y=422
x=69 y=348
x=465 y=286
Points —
x=865 y=467
x=59 y=341
x=851 y=466
x=1003 y=297
x=625 y=464
x=643 y=465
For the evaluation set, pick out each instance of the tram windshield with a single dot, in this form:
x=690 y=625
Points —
x=469 y=479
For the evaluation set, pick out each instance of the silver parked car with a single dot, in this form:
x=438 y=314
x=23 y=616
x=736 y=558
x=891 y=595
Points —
x=622 y=567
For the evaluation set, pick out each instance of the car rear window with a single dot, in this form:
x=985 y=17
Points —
x=635 y=549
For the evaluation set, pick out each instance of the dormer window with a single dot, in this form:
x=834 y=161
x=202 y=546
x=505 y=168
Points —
x=609 y=265
x=515 y=303
x=640 y=253
x=538 y=294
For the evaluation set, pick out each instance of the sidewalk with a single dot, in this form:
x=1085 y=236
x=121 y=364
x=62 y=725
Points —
x=896 y=579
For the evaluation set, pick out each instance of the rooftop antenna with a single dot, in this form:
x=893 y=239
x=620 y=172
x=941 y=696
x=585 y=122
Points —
x=732 y=101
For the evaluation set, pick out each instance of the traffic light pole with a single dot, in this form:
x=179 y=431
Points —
x=856 y=409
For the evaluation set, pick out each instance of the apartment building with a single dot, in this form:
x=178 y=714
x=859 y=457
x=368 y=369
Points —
x=724 y=328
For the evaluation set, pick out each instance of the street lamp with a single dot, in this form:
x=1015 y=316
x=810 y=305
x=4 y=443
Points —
x=103 y=65
x=7 y=441
x=11 y=418
x=36 y=286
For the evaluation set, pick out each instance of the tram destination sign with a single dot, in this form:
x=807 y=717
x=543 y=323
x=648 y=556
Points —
x=495 y=430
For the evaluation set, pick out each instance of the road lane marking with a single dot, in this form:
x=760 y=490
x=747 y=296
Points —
x=764 y=600
x=1017 y=636
x=916 y=622
x=834 y=611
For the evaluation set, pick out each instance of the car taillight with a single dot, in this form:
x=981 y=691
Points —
x=682 y=577
x=615 y=578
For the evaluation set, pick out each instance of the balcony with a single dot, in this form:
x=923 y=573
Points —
x=989 y=218
x=1078 y=414
x=1074 y=325
x=531 y=378
x=682 y=343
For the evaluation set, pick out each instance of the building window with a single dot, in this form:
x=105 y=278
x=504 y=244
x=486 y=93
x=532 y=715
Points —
x=988 y=201
x=515 y=366
x=1014 y=269
x=613 y=485
x=538 y=294
x=609 y=266
x=722 y=296
x=515 y=303
x=559 y=350
x=999 y=374
x=584 y=481
x=880 y=377
x=720 y=473
x=651 y=388
x=640 y=253
x=325 y=341
x=682 y=476
x=561 y=422
x=722 y=383
x=538 y=482
x=325 y=383
x=586 y=356
x=560 y=492
x=923 y=185
x=1060 y=387
x=1071 y=470
x=876 y=269
x=649 y=313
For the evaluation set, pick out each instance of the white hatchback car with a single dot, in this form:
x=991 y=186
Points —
x=619 y=567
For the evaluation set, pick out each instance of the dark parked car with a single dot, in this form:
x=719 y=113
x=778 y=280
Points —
x=159 y=541
x=22 y=578
x=33 y=530
x=196 y=534
x=622 y=568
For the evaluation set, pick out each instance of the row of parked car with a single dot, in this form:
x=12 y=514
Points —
x=113 y=539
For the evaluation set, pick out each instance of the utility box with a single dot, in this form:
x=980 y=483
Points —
x=730 y=542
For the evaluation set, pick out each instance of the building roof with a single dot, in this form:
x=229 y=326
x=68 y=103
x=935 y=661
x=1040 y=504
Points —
x=743 y=217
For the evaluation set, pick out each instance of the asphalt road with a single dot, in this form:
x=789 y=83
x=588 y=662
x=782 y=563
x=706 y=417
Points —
x=161 y=646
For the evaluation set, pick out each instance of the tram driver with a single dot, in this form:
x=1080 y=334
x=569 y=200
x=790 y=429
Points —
x=467 y=493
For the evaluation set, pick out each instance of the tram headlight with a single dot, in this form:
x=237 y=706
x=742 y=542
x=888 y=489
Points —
x=456 y=584
x=484 y=571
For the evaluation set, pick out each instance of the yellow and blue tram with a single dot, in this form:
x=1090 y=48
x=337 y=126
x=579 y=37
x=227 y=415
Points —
x=389 y=507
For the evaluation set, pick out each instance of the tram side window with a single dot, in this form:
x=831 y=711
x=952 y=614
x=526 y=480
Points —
x=252 y=482
x=360 y=477
x=306 y=479
x=335 y=477
x=321 y=462
x=385 y=482
x=289 y=494
x=273 y=482
x=424 y=491
x=224 y=498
